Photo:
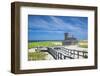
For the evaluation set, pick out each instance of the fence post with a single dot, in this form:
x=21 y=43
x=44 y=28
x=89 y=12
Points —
x=78 y=54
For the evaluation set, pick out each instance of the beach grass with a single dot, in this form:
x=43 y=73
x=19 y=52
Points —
x=37 y=55
x=43 y=44
x=83 y=43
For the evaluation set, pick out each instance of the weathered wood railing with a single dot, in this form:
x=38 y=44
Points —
x=63 y=53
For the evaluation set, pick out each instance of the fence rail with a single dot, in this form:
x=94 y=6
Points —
x=64 y=53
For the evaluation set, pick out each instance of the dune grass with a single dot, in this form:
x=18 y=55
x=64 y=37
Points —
x=83 y=44
x=43 y=44
x=36 y=55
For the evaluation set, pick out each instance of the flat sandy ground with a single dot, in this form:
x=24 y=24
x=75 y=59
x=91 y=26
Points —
x=76 y=47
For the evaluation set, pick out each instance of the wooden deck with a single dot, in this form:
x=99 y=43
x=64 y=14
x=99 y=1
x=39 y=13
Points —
x=63 y=53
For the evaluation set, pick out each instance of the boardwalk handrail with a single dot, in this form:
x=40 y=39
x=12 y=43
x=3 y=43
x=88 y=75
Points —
x=78 y=53
x=64 y=53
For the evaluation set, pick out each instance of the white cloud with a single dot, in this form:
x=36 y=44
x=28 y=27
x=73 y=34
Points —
x=57 y=25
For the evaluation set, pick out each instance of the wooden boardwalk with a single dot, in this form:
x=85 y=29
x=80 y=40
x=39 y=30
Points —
x=64 y=53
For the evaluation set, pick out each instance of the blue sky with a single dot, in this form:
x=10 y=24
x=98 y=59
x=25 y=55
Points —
x=41 y=27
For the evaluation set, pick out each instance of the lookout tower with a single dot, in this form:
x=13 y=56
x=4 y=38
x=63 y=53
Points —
x=69 y=39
